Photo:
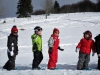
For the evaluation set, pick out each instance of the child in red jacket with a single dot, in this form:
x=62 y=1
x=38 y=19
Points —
x=53 y=45
x=84 y=46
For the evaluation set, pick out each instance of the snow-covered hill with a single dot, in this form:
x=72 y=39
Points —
x=71 y=28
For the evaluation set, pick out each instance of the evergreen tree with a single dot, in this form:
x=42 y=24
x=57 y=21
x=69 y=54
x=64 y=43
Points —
x=24 y=8
x=98 y=5
x=56 y=7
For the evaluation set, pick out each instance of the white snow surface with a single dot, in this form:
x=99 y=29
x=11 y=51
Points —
x=71 y=28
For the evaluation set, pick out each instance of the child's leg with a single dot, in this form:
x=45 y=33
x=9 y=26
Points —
x=99 y=63
x=80 y=61
x=56 y=58
x=11 y=62
x=86 y=62
x=35 y=60
x=51 y=62
x=40 y=57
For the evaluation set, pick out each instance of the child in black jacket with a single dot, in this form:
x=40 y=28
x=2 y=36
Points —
x=12 y=51
x=97 y=47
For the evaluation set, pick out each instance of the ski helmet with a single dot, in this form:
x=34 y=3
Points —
x=37 y=28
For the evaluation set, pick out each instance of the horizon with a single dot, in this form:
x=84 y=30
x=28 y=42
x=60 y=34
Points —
x=11 y=6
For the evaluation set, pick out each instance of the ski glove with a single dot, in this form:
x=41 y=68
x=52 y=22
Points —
x=60 y=48
x=50 y=50
x=77 y=49
x=12 y=53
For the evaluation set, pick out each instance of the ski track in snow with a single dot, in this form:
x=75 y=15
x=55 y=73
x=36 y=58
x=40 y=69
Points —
x=71 y=28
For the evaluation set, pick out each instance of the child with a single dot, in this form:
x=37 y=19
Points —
x=97 y=46
x=85 y=45
x=53 y=45
x=12 y=45
x=37 y=48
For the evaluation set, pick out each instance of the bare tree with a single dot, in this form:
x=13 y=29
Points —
x=2 y=10
x=47 y=6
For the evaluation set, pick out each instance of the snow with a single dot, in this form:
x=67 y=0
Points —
x=71 y=28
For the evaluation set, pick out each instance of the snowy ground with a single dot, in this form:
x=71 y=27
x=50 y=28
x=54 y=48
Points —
x=71 y=28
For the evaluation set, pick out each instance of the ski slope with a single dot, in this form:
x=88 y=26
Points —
x=71 y=28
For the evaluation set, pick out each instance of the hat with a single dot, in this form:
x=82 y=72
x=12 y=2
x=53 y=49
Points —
x=14 y=28
x=88 y=32
x=37 y=28
x=55 y=30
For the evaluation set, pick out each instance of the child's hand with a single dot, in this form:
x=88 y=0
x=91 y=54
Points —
x=60 y=48
x=93 y=53
x=50 y=50
x=77 y=49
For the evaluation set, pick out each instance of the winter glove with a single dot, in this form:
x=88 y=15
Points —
x=50 y=50
x=98 y=55
x=12 y=53
x=77 y=49
x=60 y=48
x=93 y=53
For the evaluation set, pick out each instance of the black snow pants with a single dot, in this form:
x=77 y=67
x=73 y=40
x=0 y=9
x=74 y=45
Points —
x=99 y=63
x=10 y=64
x=83 y=61
x=38 y=57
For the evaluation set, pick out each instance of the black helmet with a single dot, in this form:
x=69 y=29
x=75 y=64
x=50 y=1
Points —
x=37 y=28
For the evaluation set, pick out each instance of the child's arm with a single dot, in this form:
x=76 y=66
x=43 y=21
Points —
x=50 y=44
x=79 y=44
x=9 y=43
x=93 y=47
x=34 y=42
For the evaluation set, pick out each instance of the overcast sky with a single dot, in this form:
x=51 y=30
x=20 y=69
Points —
x=11 y=5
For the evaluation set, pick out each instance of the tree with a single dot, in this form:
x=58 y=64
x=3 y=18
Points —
x=47 y=6
x=24 y=8
x=86 y=0
x=38 y=12
x=98 y=5
x=2 y=10
x=56 y=7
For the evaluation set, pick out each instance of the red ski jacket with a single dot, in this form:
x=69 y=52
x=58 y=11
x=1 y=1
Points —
x=53 y=42
x=86 y=46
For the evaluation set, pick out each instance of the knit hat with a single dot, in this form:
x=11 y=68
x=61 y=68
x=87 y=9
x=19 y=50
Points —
x=55 y=30
x=14 y=28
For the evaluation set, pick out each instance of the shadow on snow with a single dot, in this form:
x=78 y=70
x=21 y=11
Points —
x=62 y=66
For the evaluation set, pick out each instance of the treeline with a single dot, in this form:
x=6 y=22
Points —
x=82 y=6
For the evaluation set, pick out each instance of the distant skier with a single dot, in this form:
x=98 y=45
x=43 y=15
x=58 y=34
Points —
x=53 y=45
x=37 y=48
x=12 y=51
x=97 y=46
x=84 y=46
